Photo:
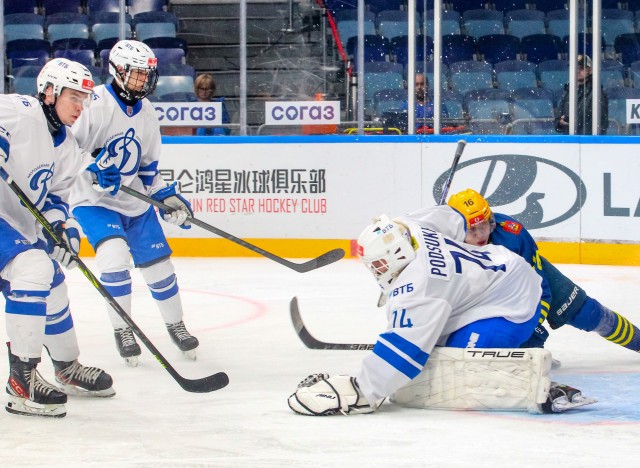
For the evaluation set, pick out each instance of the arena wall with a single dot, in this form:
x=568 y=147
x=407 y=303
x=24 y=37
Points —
x=301 y=196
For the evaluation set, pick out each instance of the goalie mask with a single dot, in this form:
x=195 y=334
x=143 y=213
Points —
x=61 y=73
x=386 y=248
x=134 y=67
x=473 y=207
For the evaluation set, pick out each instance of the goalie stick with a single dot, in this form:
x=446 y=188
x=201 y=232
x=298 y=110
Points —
x=313 y=343
x=202 y=385
x=325 y=259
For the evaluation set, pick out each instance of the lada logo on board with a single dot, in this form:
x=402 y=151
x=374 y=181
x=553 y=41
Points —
x=522 y=182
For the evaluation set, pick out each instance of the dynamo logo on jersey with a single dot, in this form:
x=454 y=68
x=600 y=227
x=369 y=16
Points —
x=126 y=152
x=517 y=179
x=40 y=181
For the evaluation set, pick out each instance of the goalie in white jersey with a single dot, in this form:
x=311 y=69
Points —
x=121 y=129
x=43 y=160
x=440 y=292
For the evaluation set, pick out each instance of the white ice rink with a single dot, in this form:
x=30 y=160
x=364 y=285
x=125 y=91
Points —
x=238 y=308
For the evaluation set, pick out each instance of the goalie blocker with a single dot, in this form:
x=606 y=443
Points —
x=453 y=379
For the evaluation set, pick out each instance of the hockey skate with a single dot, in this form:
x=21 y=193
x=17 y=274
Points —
x=31 y=395
x=563 y=397
x=78 y=380
x=183 y=339
x=127 y=346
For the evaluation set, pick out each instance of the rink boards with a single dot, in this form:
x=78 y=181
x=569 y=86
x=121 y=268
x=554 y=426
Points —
x=302 y=196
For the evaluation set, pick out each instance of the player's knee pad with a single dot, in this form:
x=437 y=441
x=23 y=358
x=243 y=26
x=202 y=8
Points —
x=158 y=271
x=480 y=379
x=113 y=255
x=31 y=270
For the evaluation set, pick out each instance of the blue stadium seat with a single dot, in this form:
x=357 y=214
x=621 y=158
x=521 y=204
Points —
x=143 y=6
x=379 y=76
x=24 y=18
x=103 y=5
x=387 y=100
x=514 y=74
x=67 y=18
x=464 y=5
x=348 y=28
x=458 y=48
x=377 y=6
x=23 y=31
x=450 y=23
x=400 y=49
x=532 y=103
x=522 y=23
x=540 y=47
x=499 y=47
x=549 y=5
x=97 y=74
x=510 y=5
x=28 y=52
x=553 y=74
x=393 y=23
x=611 y=74
x=56 y=32
x=61 y=6
x=478 y=23
x=23 y=79
x=20 y=6
x=627 y=46
x=170 y=55
x=470 y=75
x=558 y=22
x=167 y=43
x=616 y=22
x=487 y=104
x=76 y=49
x=376 y=48
x=102 y=31
x=428 y=67
x=585 y=44
x=155 y=17
x=453 y=100
x=486 y=127
x=146 y=31
x=634 y=74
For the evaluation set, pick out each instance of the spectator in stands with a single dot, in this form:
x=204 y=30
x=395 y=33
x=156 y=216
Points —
x=584 y=95
x=205 y=90
x=424 y=104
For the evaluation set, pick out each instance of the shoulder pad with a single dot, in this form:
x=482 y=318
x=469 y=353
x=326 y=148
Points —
x=511 y=226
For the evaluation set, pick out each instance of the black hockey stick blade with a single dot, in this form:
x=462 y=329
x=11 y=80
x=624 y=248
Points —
x=318 y=262
x=204 y=385
x=313 y=343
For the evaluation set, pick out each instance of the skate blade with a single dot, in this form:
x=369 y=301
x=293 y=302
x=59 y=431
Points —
x=131 y=361
x=24 y=407
x=73 y=390
x=563 y=405
x=191 y=354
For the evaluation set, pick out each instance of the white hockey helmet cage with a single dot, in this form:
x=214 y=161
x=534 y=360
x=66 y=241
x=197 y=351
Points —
x=128 y=56
x=386 y=248
x=62 y=73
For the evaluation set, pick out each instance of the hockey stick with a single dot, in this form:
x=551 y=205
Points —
x=203 y=385
x=454 y=166
x=318 y=262
x=313 y=343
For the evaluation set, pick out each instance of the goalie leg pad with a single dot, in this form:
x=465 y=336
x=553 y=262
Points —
x=321 y=395
x=480 y=379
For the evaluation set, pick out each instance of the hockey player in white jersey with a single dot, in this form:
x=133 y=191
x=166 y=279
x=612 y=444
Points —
x=42 y=160
x=440 y=292
x=121 y=129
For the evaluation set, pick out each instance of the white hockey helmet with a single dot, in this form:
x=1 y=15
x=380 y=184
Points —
x=386 y=248
x=62 y=73
x=128 y=56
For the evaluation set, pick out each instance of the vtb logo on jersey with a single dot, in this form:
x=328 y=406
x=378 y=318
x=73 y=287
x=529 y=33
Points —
x=126 y=152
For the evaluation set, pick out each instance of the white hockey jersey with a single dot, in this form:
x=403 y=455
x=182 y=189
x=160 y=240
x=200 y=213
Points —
x=449 y=285
x=131 y=136
x=31 y=161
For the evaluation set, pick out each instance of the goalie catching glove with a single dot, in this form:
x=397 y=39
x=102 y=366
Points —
x=321 y=395
x=181 y=208
x=68 y=233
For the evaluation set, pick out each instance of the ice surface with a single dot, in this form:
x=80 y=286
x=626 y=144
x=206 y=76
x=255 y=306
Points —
x=238 y=308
